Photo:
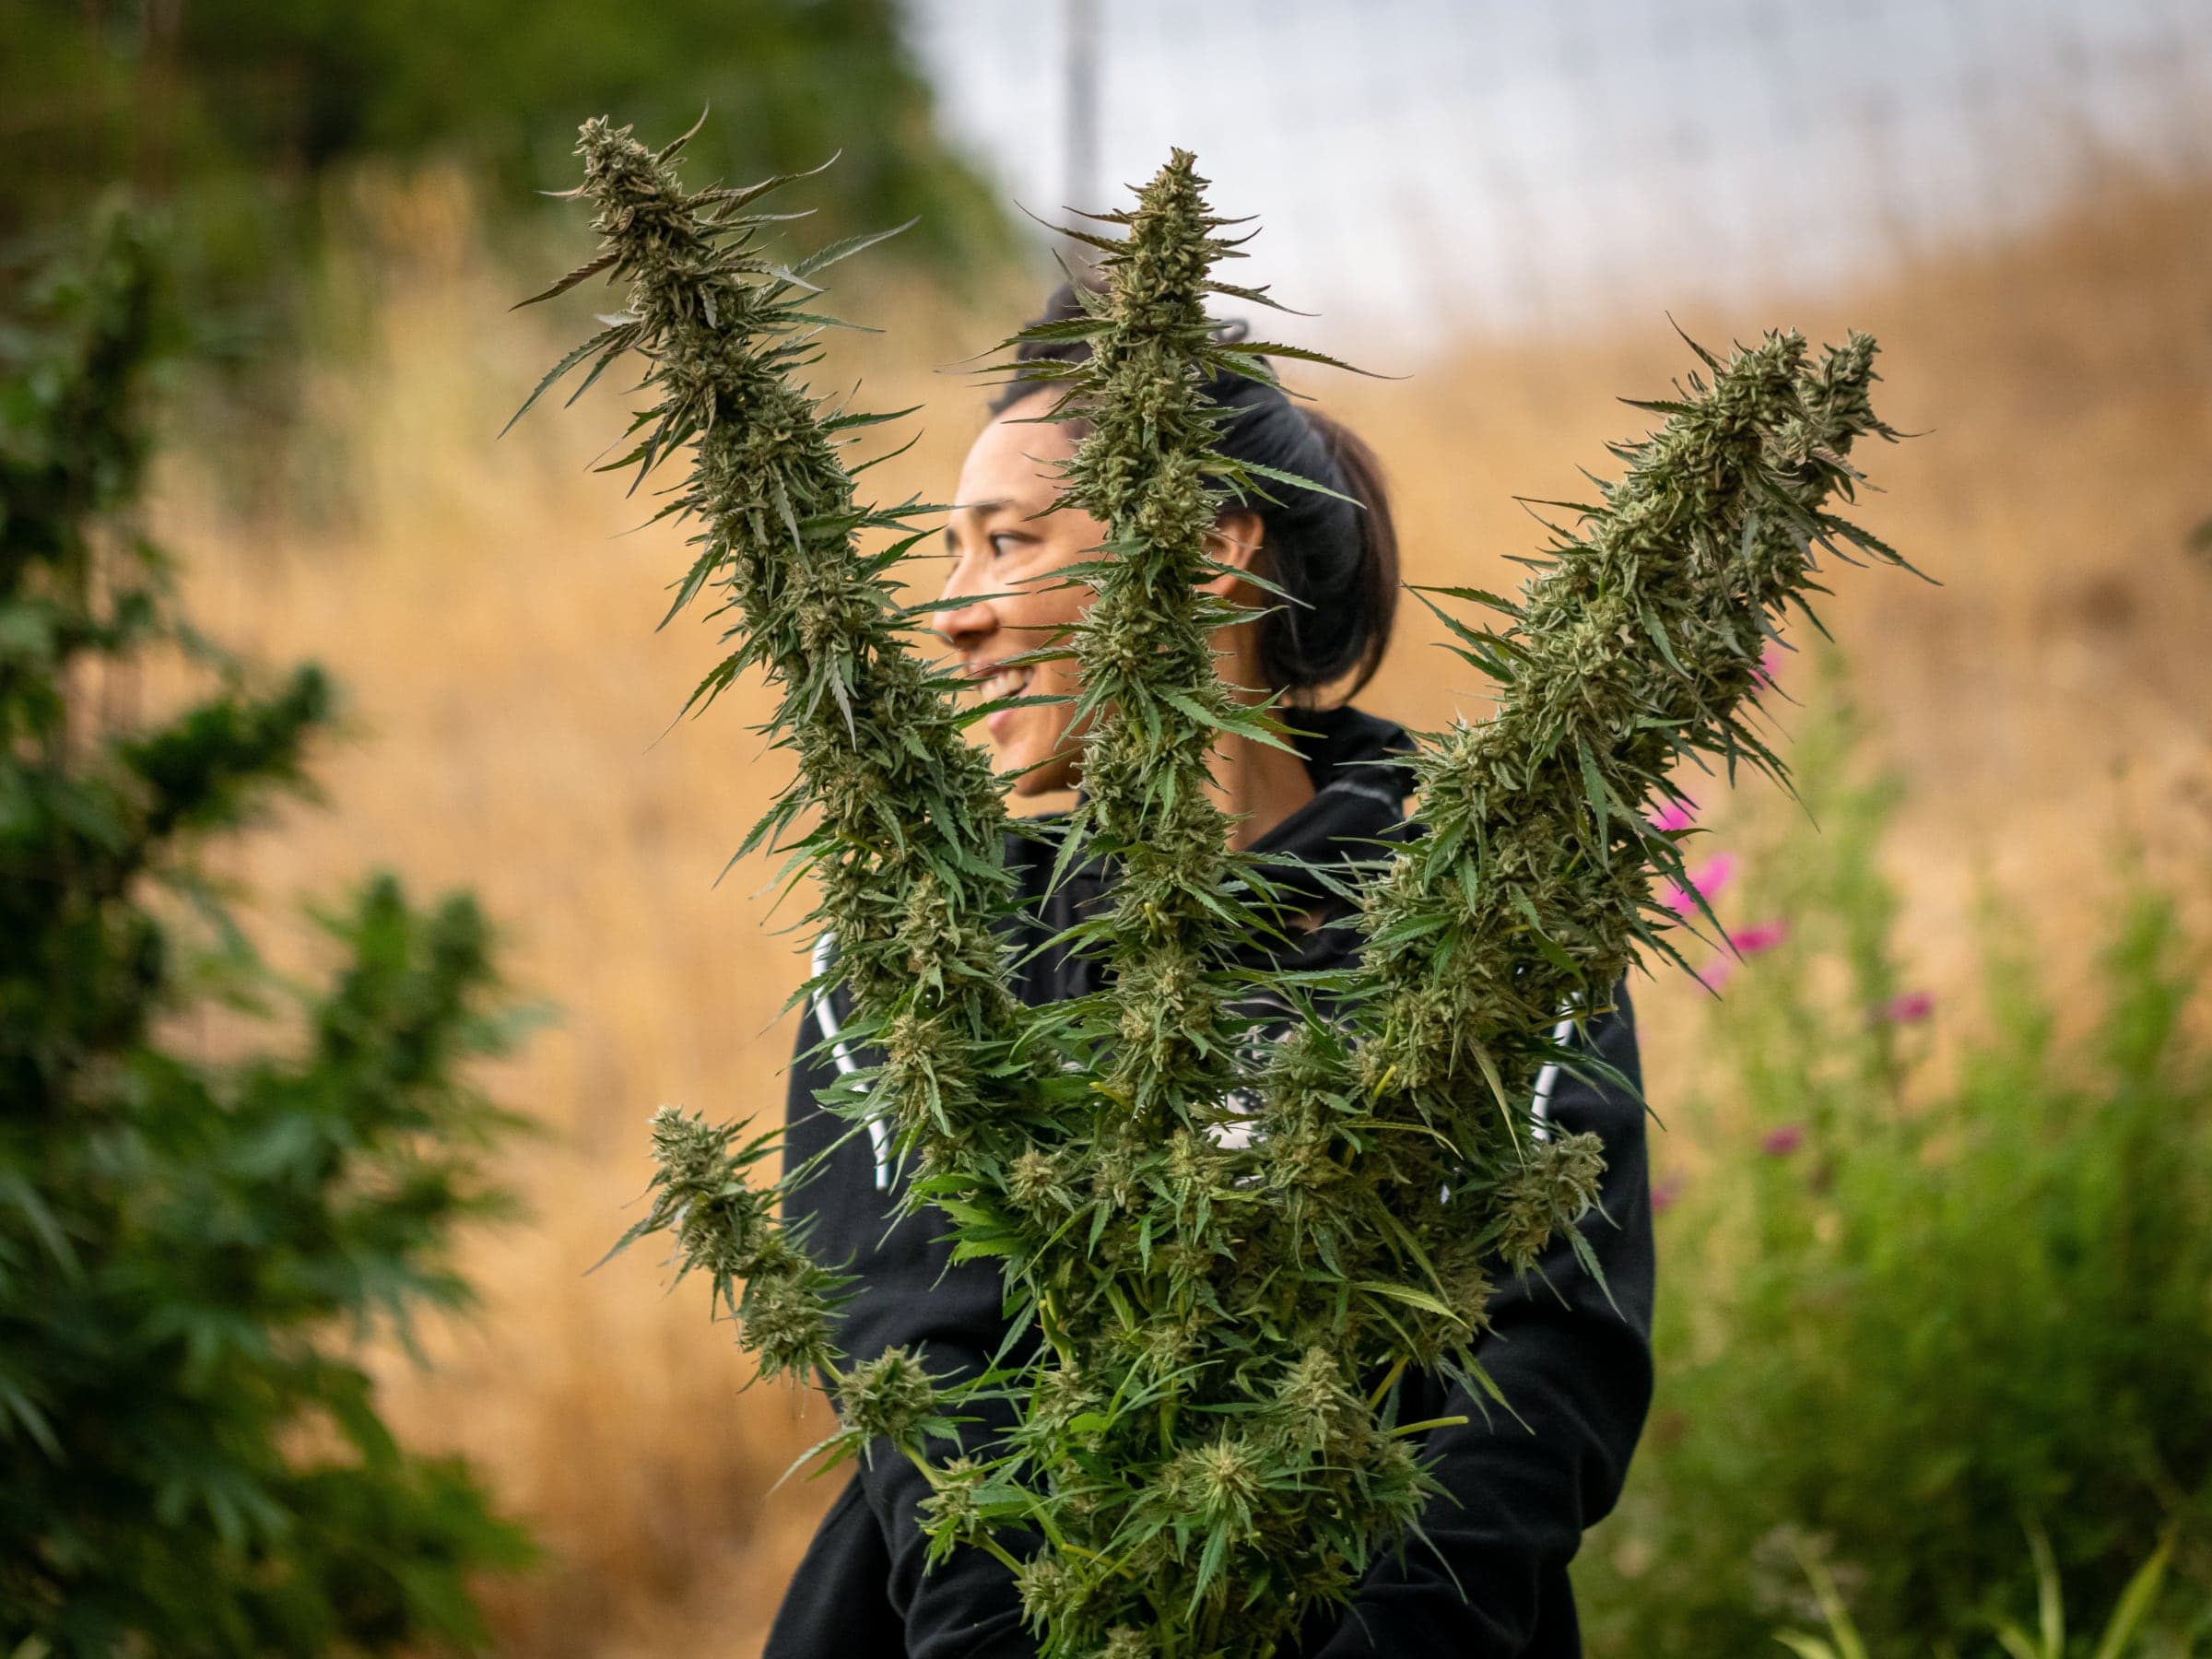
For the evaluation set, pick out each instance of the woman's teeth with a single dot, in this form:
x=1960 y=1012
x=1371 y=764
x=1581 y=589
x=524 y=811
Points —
x=1007 y=682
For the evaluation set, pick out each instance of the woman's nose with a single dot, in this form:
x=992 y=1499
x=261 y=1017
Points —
x=963 y=627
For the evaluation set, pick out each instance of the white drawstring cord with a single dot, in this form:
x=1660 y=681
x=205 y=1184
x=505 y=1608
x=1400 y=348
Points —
x=1548 y=1079
x=879 y=1133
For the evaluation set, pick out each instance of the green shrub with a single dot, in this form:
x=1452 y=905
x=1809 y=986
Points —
x=1911 y=1307
x=191 y=1461
x=231 y=112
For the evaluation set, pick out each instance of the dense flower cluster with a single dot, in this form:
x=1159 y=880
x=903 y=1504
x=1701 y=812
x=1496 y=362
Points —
x=1207 y=1442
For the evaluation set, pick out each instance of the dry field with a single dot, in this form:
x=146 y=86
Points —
x=512 y=706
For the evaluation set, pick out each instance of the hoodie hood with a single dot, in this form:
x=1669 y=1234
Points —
x=1363 y=779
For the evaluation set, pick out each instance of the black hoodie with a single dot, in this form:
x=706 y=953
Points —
x=1573 y=1363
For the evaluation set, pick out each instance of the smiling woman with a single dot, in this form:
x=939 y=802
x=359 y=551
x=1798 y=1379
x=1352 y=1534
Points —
x=1320 y=613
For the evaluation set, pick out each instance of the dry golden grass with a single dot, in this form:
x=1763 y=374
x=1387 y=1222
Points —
x=513 y=697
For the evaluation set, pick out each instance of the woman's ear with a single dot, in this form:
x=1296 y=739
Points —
x=1236 y=540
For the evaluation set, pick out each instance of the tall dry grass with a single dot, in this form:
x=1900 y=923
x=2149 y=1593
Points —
x=513 y=702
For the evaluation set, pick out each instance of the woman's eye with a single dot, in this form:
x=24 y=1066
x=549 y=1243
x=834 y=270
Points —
x=1002 y=545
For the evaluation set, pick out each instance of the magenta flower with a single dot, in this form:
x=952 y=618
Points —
x=1759 y=935
x=1782 y=1142
x=1674 y=814
x=1665 y=1192
x=1907 y=1009
x=1716 y=873
x=1746 y=942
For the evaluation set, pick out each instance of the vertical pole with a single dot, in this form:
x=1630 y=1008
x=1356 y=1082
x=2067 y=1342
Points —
x=1079 y=88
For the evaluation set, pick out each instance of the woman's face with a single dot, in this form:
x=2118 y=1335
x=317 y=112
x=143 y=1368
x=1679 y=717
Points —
x=1005 y=552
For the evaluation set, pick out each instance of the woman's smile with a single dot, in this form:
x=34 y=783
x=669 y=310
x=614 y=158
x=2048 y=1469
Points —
x=998 y=682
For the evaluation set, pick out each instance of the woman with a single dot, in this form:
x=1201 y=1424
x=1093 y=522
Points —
x=1573 y=1362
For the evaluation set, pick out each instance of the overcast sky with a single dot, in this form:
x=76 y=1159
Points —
x=1463 y=162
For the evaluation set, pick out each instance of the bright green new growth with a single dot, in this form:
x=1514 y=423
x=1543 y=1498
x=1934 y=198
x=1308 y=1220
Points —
x=1206 y=1438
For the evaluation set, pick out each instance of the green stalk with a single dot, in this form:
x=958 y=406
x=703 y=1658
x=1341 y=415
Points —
x=1154 y=704
x=1246 y=1480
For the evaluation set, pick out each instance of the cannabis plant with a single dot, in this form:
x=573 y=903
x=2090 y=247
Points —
x=191 y=1461
x=1233 y=1207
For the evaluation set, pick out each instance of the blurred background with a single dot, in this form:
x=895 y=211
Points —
x=1935 y=1165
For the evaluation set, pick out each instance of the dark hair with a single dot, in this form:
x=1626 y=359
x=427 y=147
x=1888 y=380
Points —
x=1336 y=562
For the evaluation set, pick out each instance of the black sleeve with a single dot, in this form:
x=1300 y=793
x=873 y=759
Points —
x=966 y=1606
x=1577 y=1368
x=838 y=1601
x=871 y=1564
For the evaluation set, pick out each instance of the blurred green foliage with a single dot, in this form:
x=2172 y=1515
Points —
x=1913 y=1307
x=196 y=1226
x=2125 y=1636
x=231 y=112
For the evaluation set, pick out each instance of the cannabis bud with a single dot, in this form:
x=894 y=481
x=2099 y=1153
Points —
x=889 y=1398
x=1553 y=1188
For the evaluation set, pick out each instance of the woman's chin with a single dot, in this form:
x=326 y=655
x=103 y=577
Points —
x=1034 y=780
x=1044 y=780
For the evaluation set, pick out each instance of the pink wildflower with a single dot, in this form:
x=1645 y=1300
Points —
x=1747 y=942
x=1674 y=814
x=1665 y=1192
x=1907 y=1009
x=1782 y=1142
x=1715 y=874
x=1759 y=935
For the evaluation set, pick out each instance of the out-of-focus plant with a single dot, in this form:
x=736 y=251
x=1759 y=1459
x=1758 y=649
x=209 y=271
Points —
x=1207 y=1441
x=1914 y=1302
x=2200 y=540
x=232 y=110
x=191 y=1248
x=2124 y=1634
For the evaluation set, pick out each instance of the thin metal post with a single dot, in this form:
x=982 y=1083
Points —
x=1080 y=136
